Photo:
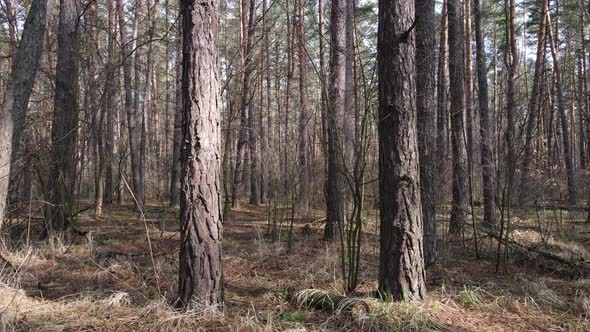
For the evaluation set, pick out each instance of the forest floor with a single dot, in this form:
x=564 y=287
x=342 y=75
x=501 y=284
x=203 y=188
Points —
x=109 y=281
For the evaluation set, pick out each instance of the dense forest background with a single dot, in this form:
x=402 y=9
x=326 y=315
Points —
x=372 y=165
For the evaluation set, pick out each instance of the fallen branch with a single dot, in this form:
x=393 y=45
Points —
x=572 y=268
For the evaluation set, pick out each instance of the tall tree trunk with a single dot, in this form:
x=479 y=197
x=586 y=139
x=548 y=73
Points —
x=265 y=144
x=201 y=273
x=487 y=158
x=426 y=115
x=111 y=184
x=401 y=268
x=246 y=106
x=336 y=100
x=126 y=50
x=511 y=63
x=177 y=135
x=457 y=83
x=62 y=176
x=324 y=89
x=304 y=155
x=567 y=148
x=135 y=119
x=18 y=92
x=469 y=116
x=442 y=114
x=534 y=105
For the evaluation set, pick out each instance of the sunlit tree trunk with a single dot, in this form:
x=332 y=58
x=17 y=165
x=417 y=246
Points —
x=401 y=268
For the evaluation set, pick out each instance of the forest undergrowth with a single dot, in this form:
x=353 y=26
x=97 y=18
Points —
x=110 y=280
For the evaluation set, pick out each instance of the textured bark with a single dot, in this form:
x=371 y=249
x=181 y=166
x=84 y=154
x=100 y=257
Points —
x=62 y=176
x=565 y=131
x=401 y=268
x=127 y=78
x=253 y=123
x=468 y=80
x=135 y=118
x=485 y=124
x=200 y=272
x=266 y=132
x=511 y=64
x=442 y=114
x=177 y=135
x=533 y=106
x=323 y=86
x=304 y=154
x=246 y=105
x=426 y=113
x=18 y=92
x=336 y=100
x=456 y=80
x=290 y=71
x=110 y=90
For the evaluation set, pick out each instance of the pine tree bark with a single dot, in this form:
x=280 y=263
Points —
x=304 y=155
x=126 y=52
x=62 y=175
x=485 y=124
x=135 y=118
x=425 y=105
x=442 y=114
x=401 y=268
x=201 y=271
x=511 y=64
x=533 y=106
x=177 y=135
x=565 y=131
x=457 y=82
x=469 y=116
x=111 y=183
x=336 y=100
x=246 y=105
x=18 y=92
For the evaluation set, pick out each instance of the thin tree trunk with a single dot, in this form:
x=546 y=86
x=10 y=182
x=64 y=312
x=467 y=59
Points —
x=487 y=158
x=336 y=99
x=111 y=185
x=18 y=92
x=469 y=116
x=457 y=83
x=177 y=135
x=534 y=105
x=304 y=162
x=442 y=113
x=135 y=119
x=567 y=149
x=246 y=106
x=127 y=78
x=425 y=105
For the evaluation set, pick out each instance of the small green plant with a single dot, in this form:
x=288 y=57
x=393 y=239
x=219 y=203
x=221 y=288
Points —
x=151 y=295
x=104 y=241
x=468 y=297
x=296 y=316
x=283 y=295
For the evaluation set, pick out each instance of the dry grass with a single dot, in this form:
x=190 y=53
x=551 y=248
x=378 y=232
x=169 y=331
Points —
x=106 y=282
